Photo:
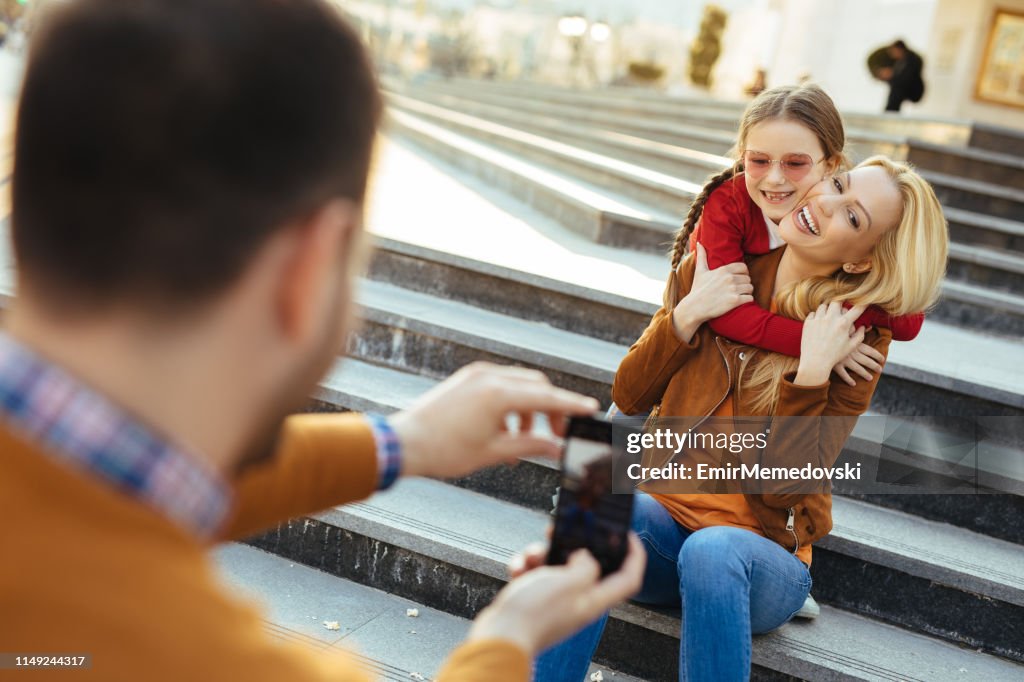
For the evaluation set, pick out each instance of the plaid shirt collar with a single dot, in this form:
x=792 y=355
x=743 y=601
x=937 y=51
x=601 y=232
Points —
x=84 y=430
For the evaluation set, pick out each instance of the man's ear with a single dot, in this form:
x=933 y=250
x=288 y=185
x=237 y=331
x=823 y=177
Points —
x=314 y=268
x=857 y=268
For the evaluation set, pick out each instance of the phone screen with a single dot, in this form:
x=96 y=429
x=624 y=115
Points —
x=588 y=515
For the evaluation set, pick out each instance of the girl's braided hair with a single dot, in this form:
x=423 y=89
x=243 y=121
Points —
x=807 y=105
x=679 y=246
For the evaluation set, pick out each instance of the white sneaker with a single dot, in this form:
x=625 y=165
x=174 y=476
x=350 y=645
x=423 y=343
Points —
x=810 y=610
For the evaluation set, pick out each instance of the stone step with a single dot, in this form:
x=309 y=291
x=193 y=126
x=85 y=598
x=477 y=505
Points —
x=670 y=194
x=686 y=156
x=437 y=339
x=579 y=99
x=296 y=600
x=967 y=227
x=657 y=189
x=675 y=159
x=861 y=143
x=527 y=296
x=357 y=385
x=411 y=330
x=937 y=130
x=584 y=311
x=969 y=307
x=998 y=168
x=598 y=214
x=997 y=139
x=1005 y=202
x=598 y=314
x=682 y=153
x=607 y=218
x=629 y=117
x=666 y=132
x=436 y=544
x=983 y=266
x=586 y=209
x=374 y=629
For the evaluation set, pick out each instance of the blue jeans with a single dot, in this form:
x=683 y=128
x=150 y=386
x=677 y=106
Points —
x=730 y=582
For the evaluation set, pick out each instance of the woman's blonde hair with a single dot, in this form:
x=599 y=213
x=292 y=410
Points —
x=908 y=264
x=807 y=105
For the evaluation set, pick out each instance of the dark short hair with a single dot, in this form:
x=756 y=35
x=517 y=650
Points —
x=161 y=142
x=899 y=44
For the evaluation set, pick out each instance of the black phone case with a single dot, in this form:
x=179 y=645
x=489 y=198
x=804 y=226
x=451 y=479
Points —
x=588 y=515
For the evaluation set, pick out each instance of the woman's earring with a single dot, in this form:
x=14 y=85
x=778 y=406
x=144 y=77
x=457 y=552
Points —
x=848 y=267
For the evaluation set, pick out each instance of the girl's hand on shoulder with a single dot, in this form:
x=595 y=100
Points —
x=862 y=361
x=828 y=338
x=714 y=293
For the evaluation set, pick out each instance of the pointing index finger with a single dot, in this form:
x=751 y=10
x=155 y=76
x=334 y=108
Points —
x=525 y=397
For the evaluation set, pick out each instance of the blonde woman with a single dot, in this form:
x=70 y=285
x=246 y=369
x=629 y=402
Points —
x=739 y=563
x=789 y=138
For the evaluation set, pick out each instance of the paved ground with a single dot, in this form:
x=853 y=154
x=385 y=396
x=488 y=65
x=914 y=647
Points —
x=372 y=625
x=297 y=600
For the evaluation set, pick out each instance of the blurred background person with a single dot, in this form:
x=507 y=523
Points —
x=904 y=76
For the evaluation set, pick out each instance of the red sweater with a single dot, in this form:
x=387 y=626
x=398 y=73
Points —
x=733 y=225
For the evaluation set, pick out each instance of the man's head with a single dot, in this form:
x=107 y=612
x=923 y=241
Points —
x=160 y=142
x=898 y=50
x=170 y=153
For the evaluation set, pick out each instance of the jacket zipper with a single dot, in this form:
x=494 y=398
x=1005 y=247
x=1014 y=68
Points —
x=791 y=519
x=728 y=371
x=791 y=527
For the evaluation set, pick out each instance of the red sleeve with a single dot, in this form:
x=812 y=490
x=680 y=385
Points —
x=726 y=226
x=723 y=227
x=904 y=327
x=753 y=325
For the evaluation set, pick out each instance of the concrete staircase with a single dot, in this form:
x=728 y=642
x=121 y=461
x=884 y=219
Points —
x=913 y=587
x=638 y=101
x=905 y=596
x=624 y=190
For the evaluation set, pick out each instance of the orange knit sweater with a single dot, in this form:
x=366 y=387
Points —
x=85 y=569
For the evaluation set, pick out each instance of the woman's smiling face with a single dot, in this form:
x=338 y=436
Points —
x=769 y=146
x=843 y=217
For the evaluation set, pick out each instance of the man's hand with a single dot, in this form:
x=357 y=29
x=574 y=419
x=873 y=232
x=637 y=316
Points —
x=459 y=426
x=545 y=604
x=714 y=292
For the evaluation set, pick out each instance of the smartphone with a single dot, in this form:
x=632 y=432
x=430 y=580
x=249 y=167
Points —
x=588 y=515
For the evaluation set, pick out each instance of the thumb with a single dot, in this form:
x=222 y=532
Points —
x=582 y=568
x=702 y=258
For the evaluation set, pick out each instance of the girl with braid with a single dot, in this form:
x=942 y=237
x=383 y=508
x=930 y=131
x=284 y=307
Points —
x=737 y=559
x=790 y=137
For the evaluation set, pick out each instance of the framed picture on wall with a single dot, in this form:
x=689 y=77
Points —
x=1001 y=76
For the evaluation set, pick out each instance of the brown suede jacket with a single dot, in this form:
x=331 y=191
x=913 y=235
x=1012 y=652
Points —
x=692 y=380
